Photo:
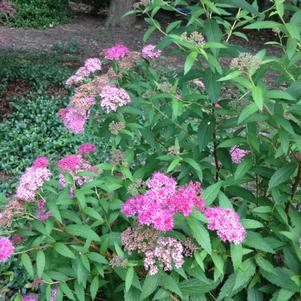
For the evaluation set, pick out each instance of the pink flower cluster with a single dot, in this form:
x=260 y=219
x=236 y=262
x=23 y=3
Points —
x=116 y=52
x=86 y=149
x=162 y=200
x=227 y=224
x=72 y=120
x=42 y=214
x=69 y=163
x=33 y=179
x=75 y=164
x=113 y=98
x=91 y=65
x=237 y=154
x=7 y=8
x=167 y=254
x=6 y=249
x=149 y=52
x=30 y=298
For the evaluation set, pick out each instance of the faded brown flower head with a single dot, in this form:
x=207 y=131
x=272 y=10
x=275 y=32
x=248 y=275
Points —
x=245 y=61
x=128 y=61
x=141 y=4
x=195 y=37
x=116 y=127
x=139 y=238
x=118 y=262
x=117 y=157
x=135 y=187
x=189 y=247
x=173 y=150
x=11 y=210
x=165 y=87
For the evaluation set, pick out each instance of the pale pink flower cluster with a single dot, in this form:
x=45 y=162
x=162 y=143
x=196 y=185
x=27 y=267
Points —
x=86 y=149
x=6 y=249
x=149 y=52
x=237 y=154
x=30 y=298
x=227 y=224
x=7 y=8
x=33 y=179
x=53 y=294
x=116 y=52
x=73 y=121
x=113 y=98
x=162 y=200
x=167 y=254
x=42 y=214
x=91 y=65
x=199 y=83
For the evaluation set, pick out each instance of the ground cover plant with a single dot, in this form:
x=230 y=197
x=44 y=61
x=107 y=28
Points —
x=31 y=92
x=35 y=13
x=199 y=197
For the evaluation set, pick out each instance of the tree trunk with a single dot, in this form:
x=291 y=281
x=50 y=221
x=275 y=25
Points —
x=117 y=9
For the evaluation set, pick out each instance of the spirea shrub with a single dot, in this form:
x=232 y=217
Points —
x=199 y=197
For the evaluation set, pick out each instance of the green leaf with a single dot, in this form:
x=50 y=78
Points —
x=257 y=95
x=244 y=5
x=129 y=278
x=211 y=192
x=254 y=294
x=83 y=231
x=251 y=224
x=264 y=264
x=243 y=168
x=256 y=241
x=66 y=290
x=63 y=250
x=236 y=255
x=93 y=213
x=40 y=263
x=94 y=287
x=247 y=112
x=25 y=259
x=263 y=25
x=195 y=166
x=97 y=258
x=169 y=283
x=282 y=175
x=174 y=164
x=189 y=61
x=230 y=76
x=200 y=234
x=149 y=285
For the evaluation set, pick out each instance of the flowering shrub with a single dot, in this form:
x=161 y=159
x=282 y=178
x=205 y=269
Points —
x=199 y=198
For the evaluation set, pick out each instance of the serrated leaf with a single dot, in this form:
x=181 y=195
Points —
x=189 y=61
x=40 y=263
x=149 y=285
x=282 y=175
x=25 y=259
x=200 y=234
x=63 y=250
x=243 y=168
x=129 y=278
x=83 y=231
x=211 y=192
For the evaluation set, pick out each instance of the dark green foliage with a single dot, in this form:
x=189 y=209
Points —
x=40 y=13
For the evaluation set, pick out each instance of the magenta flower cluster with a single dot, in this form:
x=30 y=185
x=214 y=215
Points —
x=76 y=163
x=6 y=249
x=167 y=254
x=162 y=200
x=149 y=52
x=237 y=154
x=113 y=98
x=116 y=52
x=30 y=298
x=42 y=214
x=91 y=65
x=86 y=149
x=33 y=179
x=227 y=224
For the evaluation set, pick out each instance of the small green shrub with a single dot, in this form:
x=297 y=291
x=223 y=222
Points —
x=40 y=13
x=31 y=129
